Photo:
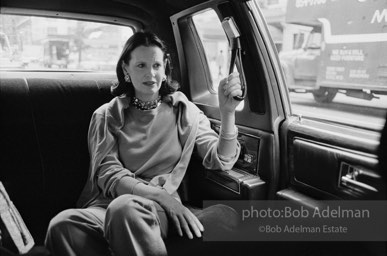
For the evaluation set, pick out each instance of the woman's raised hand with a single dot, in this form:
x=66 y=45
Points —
x=229 y=87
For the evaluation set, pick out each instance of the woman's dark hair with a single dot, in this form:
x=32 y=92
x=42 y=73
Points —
x=142 y=39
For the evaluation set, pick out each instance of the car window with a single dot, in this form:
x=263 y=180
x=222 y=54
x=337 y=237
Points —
x=215 y=44
x=334 y=60
x=216 y=47
x=39 y=43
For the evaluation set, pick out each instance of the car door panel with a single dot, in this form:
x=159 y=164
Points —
x=302 y=160
x=247 y=180
x=331 y=162
x=254 y=170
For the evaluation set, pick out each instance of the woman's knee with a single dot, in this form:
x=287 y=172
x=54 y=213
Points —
x=61 y=228
x=130 y=208
x=122 y=206
x=62 y=220
x=73 y=231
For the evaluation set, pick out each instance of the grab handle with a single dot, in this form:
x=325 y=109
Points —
x=233 y=35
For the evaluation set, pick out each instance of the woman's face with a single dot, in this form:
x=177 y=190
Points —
x=146 y=69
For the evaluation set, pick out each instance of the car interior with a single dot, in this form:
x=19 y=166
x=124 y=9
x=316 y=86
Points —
x=45 y=115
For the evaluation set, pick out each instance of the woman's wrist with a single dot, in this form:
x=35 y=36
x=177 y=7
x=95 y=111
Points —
x=161 y=197
x=149 y=192
x=229 y=135
x=228 y=123
x=227 y=113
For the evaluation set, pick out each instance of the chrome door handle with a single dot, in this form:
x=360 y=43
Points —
x=350 y=183
x=353 y=177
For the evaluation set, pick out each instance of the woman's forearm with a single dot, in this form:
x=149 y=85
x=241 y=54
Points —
x=228 y=88
x=227 y=143
x=228 y=122
x=126 y=185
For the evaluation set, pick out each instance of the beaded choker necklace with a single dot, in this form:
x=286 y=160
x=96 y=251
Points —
x=144 y=105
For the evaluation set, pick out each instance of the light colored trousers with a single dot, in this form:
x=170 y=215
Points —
x=131 y=225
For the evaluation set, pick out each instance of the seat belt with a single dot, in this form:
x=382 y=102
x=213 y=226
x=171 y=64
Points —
x=233 y=35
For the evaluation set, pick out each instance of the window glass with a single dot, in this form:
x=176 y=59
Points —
x=268 y=3
x=38 y=43
x=334 y=60
x=216 y=46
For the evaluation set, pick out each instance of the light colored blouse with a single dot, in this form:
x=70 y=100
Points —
x=153 y=147
x=148 y=144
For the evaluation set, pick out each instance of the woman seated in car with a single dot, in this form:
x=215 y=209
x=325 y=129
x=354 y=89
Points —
x=140 y=144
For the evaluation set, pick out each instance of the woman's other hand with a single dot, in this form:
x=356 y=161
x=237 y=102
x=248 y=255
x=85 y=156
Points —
x=183 y=219
x=228 y=88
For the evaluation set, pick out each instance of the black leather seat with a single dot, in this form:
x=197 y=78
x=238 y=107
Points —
x=43 y=142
